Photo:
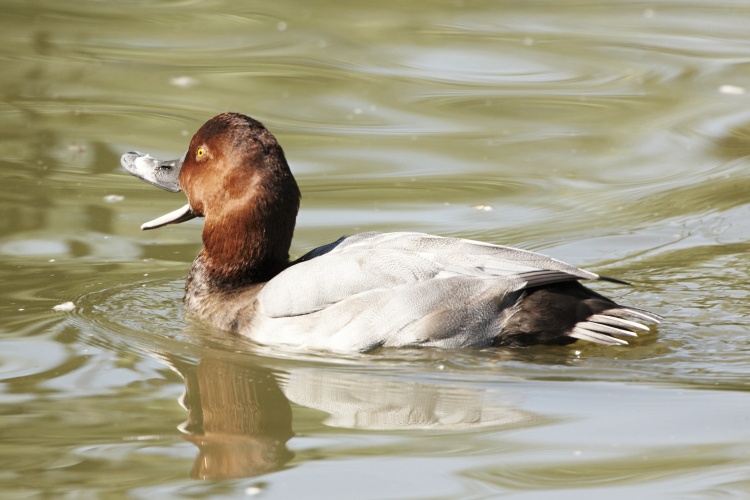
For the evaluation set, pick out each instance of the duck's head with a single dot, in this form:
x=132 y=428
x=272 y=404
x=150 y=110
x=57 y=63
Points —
x=230 y=157
x=235 y=175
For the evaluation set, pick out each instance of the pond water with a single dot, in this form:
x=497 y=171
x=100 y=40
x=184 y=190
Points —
x=610 y=134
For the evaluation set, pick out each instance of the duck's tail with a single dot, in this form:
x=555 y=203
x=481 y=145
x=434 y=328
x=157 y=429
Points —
x=606 y=326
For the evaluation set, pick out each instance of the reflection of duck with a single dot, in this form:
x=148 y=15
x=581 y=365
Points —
x=375 y=403
x=240 y=418
x=363 y=291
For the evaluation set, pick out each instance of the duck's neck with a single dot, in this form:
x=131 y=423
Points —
x=235 y=256
x=249 y=244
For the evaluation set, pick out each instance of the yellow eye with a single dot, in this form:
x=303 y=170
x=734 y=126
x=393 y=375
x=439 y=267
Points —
x=200 y=153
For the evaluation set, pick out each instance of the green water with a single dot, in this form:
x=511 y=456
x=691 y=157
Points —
x=612 y=135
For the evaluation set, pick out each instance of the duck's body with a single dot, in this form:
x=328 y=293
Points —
x=363 y=291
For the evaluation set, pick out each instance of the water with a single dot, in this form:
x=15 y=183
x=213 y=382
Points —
x=612 y=135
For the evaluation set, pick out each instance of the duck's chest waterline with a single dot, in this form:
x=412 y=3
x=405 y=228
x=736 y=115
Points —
x=226 y=307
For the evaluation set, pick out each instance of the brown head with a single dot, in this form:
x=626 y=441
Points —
x=235 y=175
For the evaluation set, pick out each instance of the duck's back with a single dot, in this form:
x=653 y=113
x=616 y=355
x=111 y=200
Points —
x=399 y=289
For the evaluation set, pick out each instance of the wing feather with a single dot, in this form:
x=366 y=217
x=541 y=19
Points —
x=368 y=261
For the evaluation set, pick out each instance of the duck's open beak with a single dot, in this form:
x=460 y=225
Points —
x=163 y=174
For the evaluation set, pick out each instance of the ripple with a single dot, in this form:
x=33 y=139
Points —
x=149 y=317
x=31 y=356
x=143 y=314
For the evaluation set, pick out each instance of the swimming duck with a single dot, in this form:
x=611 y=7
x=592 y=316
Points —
x=364 y=291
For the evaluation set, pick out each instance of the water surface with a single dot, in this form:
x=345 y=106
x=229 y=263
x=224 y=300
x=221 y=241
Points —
x=613 y=135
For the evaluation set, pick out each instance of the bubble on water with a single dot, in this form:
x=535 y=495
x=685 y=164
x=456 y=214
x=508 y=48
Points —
x=732 y=90
x=184 y=82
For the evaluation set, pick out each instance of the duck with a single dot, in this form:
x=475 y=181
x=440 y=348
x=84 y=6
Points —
x=366 y=291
